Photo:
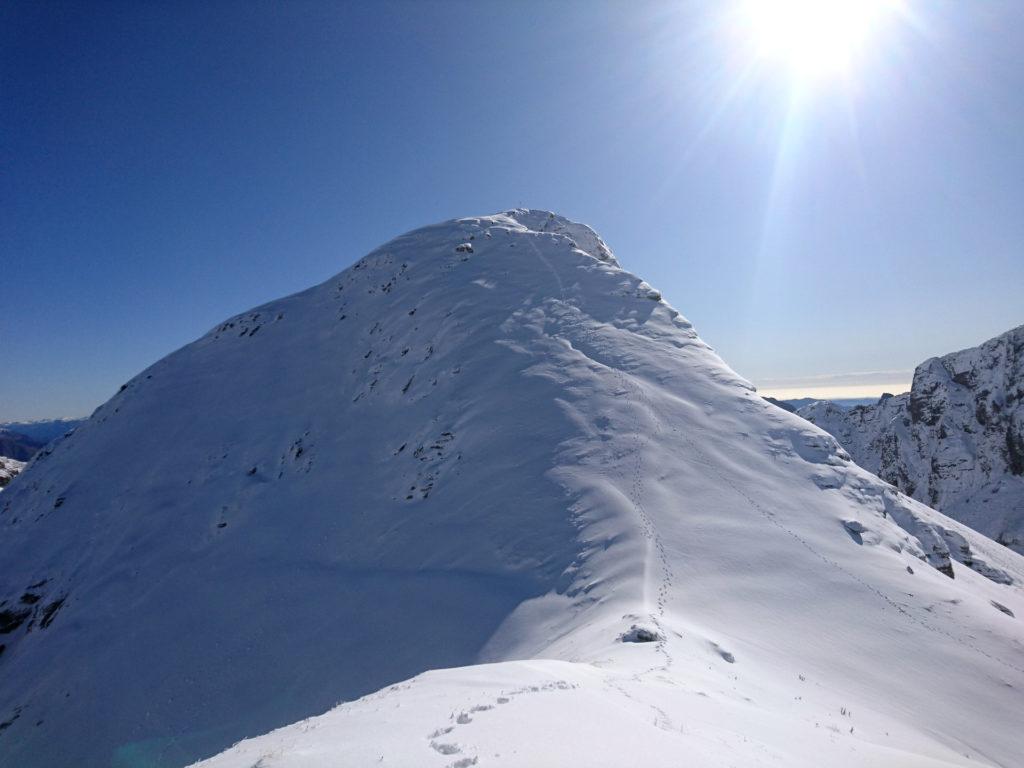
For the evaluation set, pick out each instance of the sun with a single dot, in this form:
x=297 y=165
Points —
x=816 y=39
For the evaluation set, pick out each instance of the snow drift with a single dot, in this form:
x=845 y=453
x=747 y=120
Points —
x=486 y=442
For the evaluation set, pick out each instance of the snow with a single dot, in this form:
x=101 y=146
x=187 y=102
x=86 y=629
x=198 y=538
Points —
x=553 y=713
x=955 y=441
x=506 y=507
x=9 y=469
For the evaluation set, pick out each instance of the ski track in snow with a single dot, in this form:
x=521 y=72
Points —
x=656 y=557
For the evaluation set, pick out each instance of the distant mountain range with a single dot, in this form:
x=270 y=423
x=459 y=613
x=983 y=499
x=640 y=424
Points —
x=21 y=440
x=793 y=405
x=843 y=402
x=42 y=431
x=955 y=441
x=19 y=446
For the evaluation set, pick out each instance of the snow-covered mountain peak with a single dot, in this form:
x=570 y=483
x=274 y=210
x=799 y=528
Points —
x=485 y=442
x=546 y=222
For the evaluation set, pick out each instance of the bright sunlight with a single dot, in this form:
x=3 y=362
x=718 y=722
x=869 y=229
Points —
x=815 y=38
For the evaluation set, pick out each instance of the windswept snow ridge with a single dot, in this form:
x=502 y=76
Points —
x=486 y=447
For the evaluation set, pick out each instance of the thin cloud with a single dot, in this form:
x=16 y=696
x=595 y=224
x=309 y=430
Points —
x=857 y=379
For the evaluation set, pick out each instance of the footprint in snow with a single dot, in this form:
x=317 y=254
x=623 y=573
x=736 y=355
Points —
x=446 y=749
x=723 y=653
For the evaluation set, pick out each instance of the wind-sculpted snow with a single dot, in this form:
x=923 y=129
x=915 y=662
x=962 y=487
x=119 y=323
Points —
x=485 y=442
x=955 y=441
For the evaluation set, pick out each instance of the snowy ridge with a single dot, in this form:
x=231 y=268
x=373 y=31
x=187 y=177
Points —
x=486 y=447
x=955 y=441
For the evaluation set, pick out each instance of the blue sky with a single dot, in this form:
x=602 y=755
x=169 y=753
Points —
x=167 y=165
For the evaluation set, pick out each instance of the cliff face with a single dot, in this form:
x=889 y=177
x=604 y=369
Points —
x=955 y=441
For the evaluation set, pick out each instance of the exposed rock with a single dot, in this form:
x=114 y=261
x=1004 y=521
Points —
x=638 y=634
x=955 y=441
x=9 y=469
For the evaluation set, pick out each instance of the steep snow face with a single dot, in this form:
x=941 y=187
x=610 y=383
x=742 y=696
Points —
x=955 y=441
x=485 y=442
x=9 y=469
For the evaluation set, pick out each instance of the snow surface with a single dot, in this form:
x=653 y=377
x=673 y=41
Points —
x=955 y=441
x=9 y=469
x=516 y=461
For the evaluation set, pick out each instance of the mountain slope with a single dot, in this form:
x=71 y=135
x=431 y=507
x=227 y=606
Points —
x=485 y=442
x=955 y=441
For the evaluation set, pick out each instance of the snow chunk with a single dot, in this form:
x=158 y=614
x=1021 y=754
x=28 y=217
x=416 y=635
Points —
x=854 y=526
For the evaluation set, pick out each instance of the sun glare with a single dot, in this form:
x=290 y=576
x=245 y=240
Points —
x=814 y=38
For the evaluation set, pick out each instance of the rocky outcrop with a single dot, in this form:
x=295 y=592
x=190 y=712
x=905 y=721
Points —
x=9 y=469
x=955 y=441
